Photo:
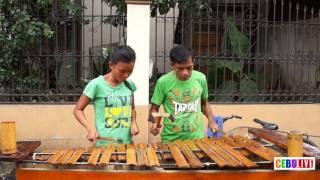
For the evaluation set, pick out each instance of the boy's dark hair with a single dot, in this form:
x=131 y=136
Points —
x=180 y=54
x=122 y=54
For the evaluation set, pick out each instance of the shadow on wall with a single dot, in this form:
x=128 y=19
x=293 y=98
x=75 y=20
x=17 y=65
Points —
x=293 y=69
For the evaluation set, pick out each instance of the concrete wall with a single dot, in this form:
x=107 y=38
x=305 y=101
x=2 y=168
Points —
x=56 y=127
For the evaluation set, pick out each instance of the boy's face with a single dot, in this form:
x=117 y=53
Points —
x=121 y=71
x=183 y=70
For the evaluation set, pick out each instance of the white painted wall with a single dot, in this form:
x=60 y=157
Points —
x=138 y=23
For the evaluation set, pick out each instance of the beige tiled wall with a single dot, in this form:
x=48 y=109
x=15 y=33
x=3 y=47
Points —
x=55 y=125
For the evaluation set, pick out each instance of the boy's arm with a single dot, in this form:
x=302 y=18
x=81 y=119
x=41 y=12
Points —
x=134 y=125
x=155 y=125
x=156 y=101
x=207 y=111
x=81 y=118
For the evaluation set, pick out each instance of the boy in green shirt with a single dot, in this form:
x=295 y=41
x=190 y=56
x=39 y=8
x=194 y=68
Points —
x=113 y=100
x=184 y=95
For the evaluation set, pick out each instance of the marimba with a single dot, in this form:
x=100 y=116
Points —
x=226 y=157
x=225 y=152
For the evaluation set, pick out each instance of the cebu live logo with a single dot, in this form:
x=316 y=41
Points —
x=294 y=163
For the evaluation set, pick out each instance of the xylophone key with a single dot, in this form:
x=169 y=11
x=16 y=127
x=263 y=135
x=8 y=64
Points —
x=113 y=158
x=259 y=146
x=193 y=147
x=56 y=156
x=212 y=154
x=232 y=143
x=75 y=156
x=192 y=158
x=131 y=155
x=258 y=151
x=152 y=157
x=247 y=162
x=178 y=156
x=164 y=151
x=66 y=156
x=121 y=149
x=106 y=154
x=224 y=154
x=95 y=154
x=90 y=149
x=154 y=146
x=157 y=149
x=142 y=159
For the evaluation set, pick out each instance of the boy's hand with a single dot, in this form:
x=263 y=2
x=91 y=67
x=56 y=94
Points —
x=155 y=129
x=213 y=126
x=134 y=129
x=92 y=135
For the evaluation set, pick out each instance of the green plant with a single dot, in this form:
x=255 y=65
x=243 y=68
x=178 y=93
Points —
x=196 y=7
x=19 y=29
x=23 y=26
x=241 y=81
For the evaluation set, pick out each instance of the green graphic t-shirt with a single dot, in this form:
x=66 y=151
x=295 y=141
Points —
x=182 y=99
x=112 y=107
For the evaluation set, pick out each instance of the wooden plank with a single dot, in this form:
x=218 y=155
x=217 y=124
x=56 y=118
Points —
x=142 y=159
x=164 y=151
x=44 y=157
x=131 y=155
x=95 y=154
x=232 y=143
x=53 y=156
x=121 y=148
x=56 y=156
x=113 y=158
x=282 y=140
x=66 y=156
x=259 y=146
x=228 y=140
x=154 y=145
x=247 y=162
x=157 y=150
x=106 y=154
x=187 y=152
x=24 y=147
x=211 y=153
x=75 y=156
x=193 y=147
x=90 y=149
x=254 y=150
x=233 y=162
x=178 y=156
x=152 y=157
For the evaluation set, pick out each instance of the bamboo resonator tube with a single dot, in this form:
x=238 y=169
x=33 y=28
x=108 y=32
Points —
x=8 y=137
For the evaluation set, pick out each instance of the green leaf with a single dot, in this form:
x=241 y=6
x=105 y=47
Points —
x=248 y=86
x=233 y=66
x=253 y=76
x=239 y=41
x=227 y=87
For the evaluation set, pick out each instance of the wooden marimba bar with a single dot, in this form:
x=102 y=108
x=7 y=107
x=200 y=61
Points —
x=234 y=152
